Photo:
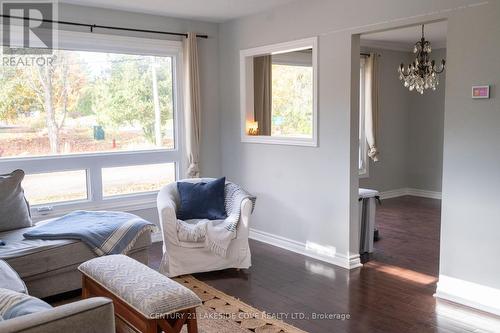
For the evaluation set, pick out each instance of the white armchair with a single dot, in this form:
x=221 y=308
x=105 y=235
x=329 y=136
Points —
x=181 y=258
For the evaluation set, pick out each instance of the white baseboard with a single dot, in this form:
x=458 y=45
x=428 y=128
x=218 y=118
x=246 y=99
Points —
x=338 y=259
x=393 y=193
x=469 y=294
x=424 y=193
x=410 y=191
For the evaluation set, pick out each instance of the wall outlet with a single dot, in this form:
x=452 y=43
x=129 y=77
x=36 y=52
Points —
x=44 y=210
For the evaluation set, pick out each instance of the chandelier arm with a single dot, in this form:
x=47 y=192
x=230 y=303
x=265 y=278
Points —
x=440 y=71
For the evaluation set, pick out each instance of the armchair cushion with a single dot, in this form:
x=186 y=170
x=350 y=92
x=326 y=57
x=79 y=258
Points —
x=203 y=200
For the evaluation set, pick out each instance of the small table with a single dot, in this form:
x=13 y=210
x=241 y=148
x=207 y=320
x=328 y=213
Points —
x=367 y=209
x=142 y=297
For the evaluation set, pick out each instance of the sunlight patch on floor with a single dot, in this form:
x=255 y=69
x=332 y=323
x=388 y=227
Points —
x=322 y=250
x=320 y=269
x=403 y=273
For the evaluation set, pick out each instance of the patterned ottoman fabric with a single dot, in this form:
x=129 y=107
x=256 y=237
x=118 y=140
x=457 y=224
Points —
x=143 y=288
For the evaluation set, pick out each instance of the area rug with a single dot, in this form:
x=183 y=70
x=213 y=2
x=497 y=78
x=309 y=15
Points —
x=221 y=313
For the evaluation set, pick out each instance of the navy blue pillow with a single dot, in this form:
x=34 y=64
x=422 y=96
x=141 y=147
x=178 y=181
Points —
x=202 y=200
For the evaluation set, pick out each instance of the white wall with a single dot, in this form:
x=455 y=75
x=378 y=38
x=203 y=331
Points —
x=411 y=128
x=309 y=194
x=471 y=212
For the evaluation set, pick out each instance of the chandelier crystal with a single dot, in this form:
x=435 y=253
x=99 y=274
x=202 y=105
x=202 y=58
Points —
x=423 y=72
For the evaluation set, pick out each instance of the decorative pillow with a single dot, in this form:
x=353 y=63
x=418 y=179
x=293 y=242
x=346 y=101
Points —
x=9 y=279
x=14 y=304
x=203 y=200
x=14 y=209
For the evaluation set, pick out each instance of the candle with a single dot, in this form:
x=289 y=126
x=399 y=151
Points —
x=253 y=128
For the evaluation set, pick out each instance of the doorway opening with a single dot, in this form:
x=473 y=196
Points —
x=401 y=151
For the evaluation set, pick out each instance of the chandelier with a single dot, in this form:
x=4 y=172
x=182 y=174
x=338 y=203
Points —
x=423 y=72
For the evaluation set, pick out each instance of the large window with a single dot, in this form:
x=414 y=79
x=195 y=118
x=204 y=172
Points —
x=135 y=179
x=86 y=102
x=53 y=187
x=292 y=100
x=97 y=125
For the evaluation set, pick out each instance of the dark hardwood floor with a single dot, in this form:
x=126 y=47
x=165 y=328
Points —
x=410 y=231
x=391 y=293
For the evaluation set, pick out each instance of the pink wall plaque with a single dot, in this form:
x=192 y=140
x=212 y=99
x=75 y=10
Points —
x=481 y=92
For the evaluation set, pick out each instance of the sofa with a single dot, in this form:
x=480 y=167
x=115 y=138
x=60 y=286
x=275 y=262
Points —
x=49 y=267
x=88 y=315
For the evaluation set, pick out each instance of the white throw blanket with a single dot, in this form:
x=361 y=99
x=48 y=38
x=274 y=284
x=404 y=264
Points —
x=217 y=234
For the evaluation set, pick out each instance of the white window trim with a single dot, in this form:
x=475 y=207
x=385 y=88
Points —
x=246 y=91
x=364 y=172
x=286 y=59
x=94 y=162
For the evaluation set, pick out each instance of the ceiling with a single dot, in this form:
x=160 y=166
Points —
x=405 y=38
x=204 y=10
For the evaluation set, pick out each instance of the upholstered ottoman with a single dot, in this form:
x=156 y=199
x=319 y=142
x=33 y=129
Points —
x=143 y=298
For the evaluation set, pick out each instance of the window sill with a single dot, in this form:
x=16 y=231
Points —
x=127 y=204
x=279 y=140
x=364 y=174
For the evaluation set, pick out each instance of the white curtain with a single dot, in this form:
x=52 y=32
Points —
x=192 y=105
x=371 y=105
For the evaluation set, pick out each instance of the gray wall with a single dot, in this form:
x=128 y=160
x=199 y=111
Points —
x=425 y=135
x=471 y=213
x=411 y=130
x=309 y=194
x=303 y=192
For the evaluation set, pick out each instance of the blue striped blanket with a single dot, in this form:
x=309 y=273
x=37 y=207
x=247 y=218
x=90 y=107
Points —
x=103 y=231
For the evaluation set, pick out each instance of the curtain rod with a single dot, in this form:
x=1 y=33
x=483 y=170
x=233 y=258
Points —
x=365 y=54
x=93 y=26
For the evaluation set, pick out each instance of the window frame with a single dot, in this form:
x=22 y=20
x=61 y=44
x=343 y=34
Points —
x=247 y=94
x=364 y=171
x=94 y=162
